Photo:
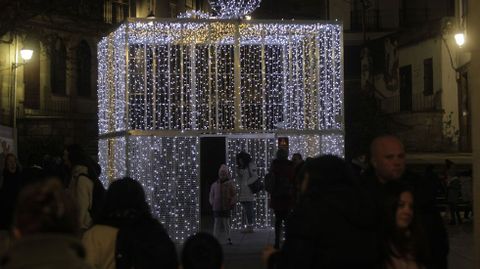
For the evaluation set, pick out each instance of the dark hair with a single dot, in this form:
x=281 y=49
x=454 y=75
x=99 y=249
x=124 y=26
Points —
x=5 y=170
x=325 y=171
x=282 y=154
x=202 y=251
x=78 y=156
x=396 y=243
x=245 y=157
x=124 y=200
x=45 y=207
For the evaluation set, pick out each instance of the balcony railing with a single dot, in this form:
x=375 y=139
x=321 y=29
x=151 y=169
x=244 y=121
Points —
x=415 y=16
x=420 y=103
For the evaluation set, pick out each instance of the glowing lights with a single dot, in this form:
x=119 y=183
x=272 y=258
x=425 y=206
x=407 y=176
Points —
x=234 y=9
x=162 y=84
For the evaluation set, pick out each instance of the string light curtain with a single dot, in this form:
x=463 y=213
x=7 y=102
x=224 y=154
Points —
x=162 y=84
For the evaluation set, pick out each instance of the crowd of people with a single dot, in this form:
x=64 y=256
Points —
x=332 y=215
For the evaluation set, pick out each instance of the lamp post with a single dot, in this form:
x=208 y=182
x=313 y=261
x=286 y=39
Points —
x=25 y=54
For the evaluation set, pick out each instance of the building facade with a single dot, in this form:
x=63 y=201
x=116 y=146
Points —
x=51 y=100
x=403 y=53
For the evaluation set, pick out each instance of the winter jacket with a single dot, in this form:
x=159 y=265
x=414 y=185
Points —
x=99 y=242
x=283 y=174
x=222 y=195
x=81 y=188
x=332 y=229
x=46 y=251
x=245 y=177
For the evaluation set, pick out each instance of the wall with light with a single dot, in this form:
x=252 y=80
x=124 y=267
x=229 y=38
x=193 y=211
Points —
x=165 y=83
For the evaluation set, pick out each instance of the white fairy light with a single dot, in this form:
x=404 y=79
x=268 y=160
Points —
x=162 y=83
x=194 y=14
x=234 y=9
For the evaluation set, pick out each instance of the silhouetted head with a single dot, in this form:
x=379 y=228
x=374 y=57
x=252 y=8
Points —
x=243 y=159
x=202 y=251
x=125 y=198
x=282 y=154
x=324 y=171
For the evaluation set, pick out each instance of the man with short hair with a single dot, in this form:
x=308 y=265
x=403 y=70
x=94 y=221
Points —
x=387 y=158
x=202 y=251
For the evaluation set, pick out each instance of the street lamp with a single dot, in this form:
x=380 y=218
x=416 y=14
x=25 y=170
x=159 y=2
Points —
x=460 y=39
x=26 y=54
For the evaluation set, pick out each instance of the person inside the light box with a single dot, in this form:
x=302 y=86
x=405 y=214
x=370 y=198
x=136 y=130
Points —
x=246 y=174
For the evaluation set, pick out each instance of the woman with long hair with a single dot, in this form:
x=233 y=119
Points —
x=246 y=174
x=126 y=235
x=402 y=242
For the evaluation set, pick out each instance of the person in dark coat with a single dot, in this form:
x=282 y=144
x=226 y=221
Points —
x=12 y=183
x=388 y=164
x=333 y=226
x=282 y=190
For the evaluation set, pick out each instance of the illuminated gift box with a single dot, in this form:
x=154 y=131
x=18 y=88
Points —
x=166 y=84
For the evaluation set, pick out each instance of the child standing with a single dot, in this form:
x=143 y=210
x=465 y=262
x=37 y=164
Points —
x=222 y=199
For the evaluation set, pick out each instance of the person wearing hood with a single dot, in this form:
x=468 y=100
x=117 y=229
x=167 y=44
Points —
x=332 y=226
x=222 y=199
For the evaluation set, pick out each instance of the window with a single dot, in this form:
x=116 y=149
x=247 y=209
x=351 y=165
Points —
x=84 y=70
x=32 y=77
x=428 y=76
x=58 y=68
x=119 y=11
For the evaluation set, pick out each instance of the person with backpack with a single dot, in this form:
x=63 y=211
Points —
x=280 y=185
x=84 y=185
x=126 y=235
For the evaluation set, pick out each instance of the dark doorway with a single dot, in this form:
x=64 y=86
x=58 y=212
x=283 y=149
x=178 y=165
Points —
x=406 y=88
x=212 y=155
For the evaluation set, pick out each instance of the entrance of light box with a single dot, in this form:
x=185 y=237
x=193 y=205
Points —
x=212 y=155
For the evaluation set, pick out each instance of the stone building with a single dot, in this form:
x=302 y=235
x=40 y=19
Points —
x=51 y=100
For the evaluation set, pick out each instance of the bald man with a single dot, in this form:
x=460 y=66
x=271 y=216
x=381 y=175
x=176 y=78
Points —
x=387 y=159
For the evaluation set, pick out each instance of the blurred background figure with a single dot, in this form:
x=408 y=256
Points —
x=12 y=183
x=46 y=228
